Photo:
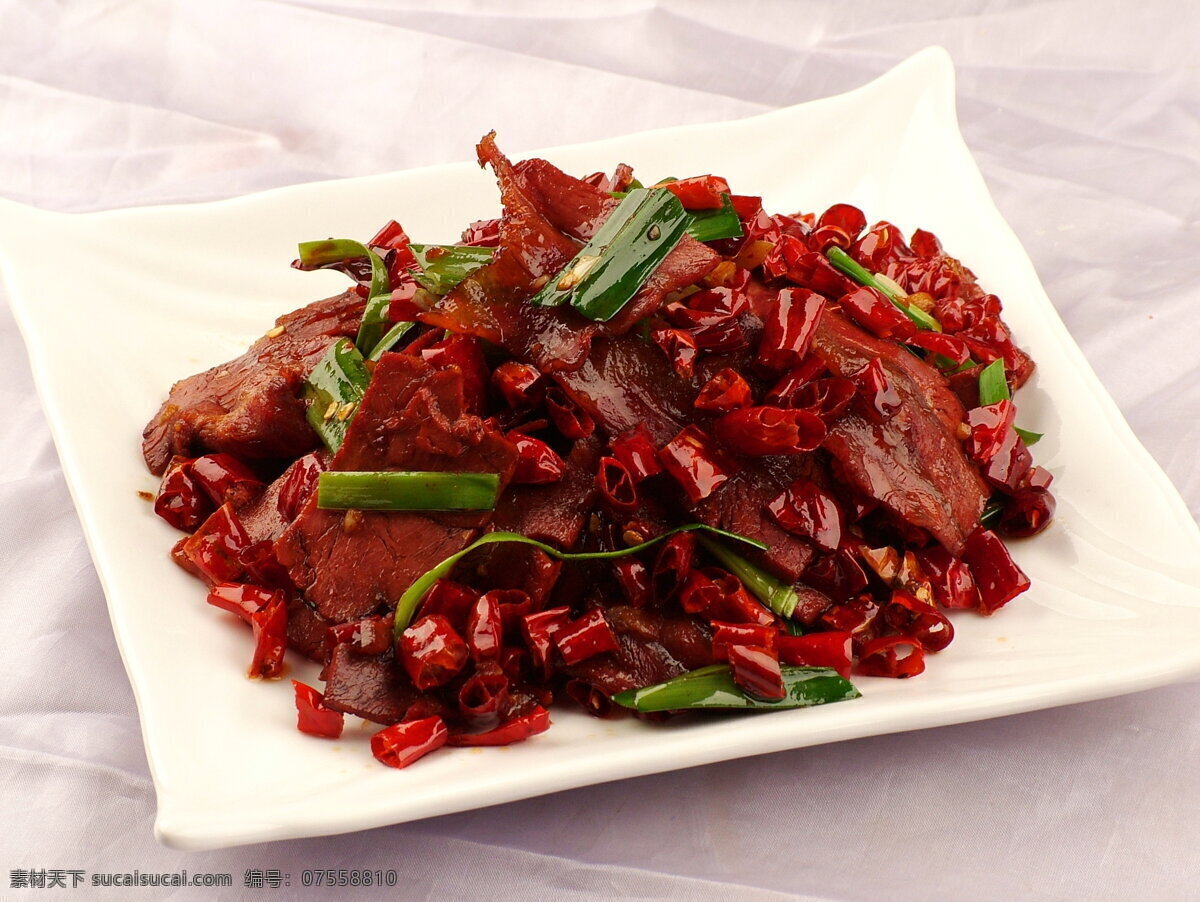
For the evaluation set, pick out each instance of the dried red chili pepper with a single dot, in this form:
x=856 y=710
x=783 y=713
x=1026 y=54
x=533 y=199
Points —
x=514 y=606
x=805 y=509
x=403 y=743
x=733 y=603
x=568 y=417
x=892 y=656
x=1010 y=465
x=813 y=271
x=520 y=384
x=369 y=636
x=989 y=427
x=996 y=574
x=300 y=481
x=226 y=479
x=726 y=635
x=917 y=620
x=515 y=730
x=784 y=392
x=679 y=346
x=700 y=192
x=696 y=463
x=213 y=551
x=953 y=585
x=783 y=255
x=431 y=651
x=180 y=500
x=789 y=327
x=312 y=717
x=241 y=599
x=882 y=399
x=451 y=600
x=698 y=592
x=585 y=637
x=925 y=244
x=855 y=616
x=756 y=671
x=1038 y=478
x=537 y=462
x=826 y=398
x=877 y=314
x=711 y=317
x=724 y=392
x=951 y=347
x=615 y=485
x=634 y=579
x=514 y=662
x=1026 y=513
x=847 y=219
x=485 y=627
x=483 y=696
x=769 y=430
x=831 y=649
x=882 y=244
x=539 y=630
x=482 y=233
x=270 y=640
x=672 y=565
x=636 y=451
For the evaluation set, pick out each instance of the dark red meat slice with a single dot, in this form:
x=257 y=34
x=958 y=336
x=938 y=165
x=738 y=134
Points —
x=552 y=513
x=349 y=564
x=913 y=462
x=369 y=686
x=252 y=407
x=306 y=630
x=652 y=648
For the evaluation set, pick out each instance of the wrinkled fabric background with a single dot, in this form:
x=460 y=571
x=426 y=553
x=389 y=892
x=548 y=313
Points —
x=1085 y=119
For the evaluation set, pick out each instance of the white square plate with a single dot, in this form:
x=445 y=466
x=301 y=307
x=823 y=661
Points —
x=152 y=295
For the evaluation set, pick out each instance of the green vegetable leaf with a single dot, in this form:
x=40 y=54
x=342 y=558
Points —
x=713 y=687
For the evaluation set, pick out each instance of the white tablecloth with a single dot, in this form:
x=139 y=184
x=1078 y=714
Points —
x=1085 y=118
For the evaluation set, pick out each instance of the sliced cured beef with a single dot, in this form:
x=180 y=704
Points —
x=368 y=686
x=913 y=462
x=252 y=406
x=350 y=563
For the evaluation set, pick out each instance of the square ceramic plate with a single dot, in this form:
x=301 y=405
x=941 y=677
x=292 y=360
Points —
x=158 y=293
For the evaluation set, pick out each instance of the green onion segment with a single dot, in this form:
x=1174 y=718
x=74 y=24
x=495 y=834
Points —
x=713 y=687
x=317 y=254
x=851 y=267
x=333 y=390
x=774 y=593
x=407 y=606
x=404 y=490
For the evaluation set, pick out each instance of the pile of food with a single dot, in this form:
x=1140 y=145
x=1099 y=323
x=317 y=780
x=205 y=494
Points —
x=646 y=449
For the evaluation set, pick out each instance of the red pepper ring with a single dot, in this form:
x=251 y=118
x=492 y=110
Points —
x=877 y=314
x=917 y=620
x=241 y=599
x=616 y=486
x=568 y=417
x=892 y=656
x=537 y=462
x=226 y=479
x=180 y=500
x=679 y=346
x=672 y=565
x=996 y=574
x=726 y=635
x=826 y=398
x=831 y=649
x=696 y=463
x=403 y=743
x=299 y=483
x=789 y=327
x=724 y=392
x=213 y=550
x=539 y=631
x=431 y=651
x=270 y=640
x=369 y=636
x=585 y=637
x=634 y=577
x=636 y=451
x=520 y=383
x=770 y=430
x=312 y=717
x=805 y=509
x=845 y=217
x=756 y=671
x=483 y=696
x=882 y=399
x=515 y=730
x=700 y=192
x=485 y=626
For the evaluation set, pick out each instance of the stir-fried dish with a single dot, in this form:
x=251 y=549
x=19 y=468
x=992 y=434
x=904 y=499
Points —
x=634 y=449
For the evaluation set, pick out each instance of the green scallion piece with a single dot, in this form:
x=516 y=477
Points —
x=318 y=254
x=851 y=267
x=993 y=384
x=334 y=389
x=713 y=687
x=407 y=490
x=445 y=265
x=771 y=591
x=611 y=268
x=1027 y=436
x=407 y=606
x=713 y=225
x=389 y=340
x=991 y=513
